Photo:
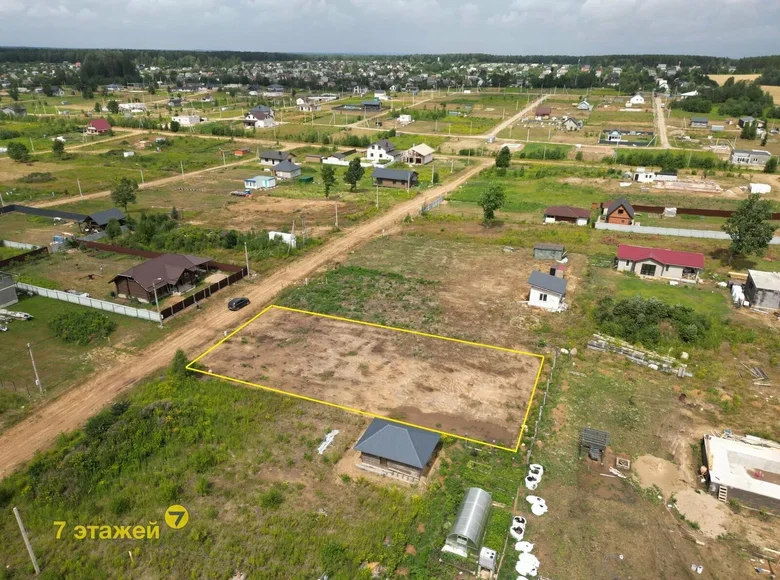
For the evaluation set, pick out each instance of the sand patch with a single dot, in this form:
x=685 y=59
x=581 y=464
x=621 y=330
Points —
x=712 y=515
x=659 y=472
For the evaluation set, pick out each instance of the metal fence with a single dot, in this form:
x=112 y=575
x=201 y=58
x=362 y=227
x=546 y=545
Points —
x=22 y=257
x=203 y=294
x=541 y=410
x=680 y=233
x=429 y=205
x=18 y=245
x=90 y=302
x=693 y=211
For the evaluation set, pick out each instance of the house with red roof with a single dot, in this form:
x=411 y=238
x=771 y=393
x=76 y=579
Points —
x=659 y=263
x=98 y=127
x=566 y=213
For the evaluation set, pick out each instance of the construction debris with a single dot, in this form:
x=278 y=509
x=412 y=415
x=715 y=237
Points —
x=647 y=358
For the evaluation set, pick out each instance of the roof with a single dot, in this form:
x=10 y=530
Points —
x=548 y=246
x=620 y=202
x=567 y=211
x=422 y=149
x=734 y=463
x=259 y=178
x=752 y=152
x=384 y=144
x=394 y=174
x=665 y=257
x=100 y=124
x=165 y=269
x=699 y=120
x=260 y=109
x=541 y=111
x=400 y=443
x=285 y=165
x=594 y=438
x=765 y=280
x=546 y=282
x=101 y=218
x=472 y=516
x=274 y=155
x=371 y=104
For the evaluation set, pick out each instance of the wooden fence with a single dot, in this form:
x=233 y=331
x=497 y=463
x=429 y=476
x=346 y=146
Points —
x=725 y=213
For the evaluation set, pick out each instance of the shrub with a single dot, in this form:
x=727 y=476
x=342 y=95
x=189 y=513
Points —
x=37 y=177
x=81 y=327
x=272 y=498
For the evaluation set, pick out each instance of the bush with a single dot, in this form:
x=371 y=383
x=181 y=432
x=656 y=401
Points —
x=272 y=498
x=81 y=327
x=37 y=177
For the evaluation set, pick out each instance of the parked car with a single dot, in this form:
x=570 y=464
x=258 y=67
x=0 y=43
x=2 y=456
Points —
x=238 y=303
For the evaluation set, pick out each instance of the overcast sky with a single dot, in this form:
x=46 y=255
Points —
x=710 y=27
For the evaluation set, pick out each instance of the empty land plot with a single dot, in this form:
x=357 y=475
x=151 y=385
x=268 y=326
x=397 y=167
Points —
x=455 y=387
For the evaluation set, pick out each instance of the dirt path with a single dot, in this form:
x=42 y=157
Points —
x=660 y=123
x=73 y=408
x=504 y=124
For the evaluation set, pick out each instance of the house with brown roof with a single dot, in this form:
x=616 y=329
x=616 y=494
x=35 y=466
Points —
x=543 y=112
x=567 y=213
x=162 y=275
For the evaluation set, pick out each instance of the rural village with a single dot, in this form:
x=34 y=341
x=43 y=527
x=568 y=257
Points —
x=286 y=316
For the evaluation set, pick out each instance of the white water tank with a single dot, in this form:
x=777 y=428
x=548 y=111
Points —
x=487 y=558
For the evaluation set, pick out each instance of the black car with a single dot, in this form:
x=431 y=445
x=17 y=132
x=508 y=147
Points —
x=238 y=303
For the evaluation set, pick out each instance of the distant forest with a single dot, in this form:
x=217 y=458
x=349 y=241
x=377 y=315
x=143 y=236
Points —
x=709 y=64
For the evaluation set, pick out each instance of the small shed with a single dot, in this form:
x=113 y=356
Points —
x=260 y=182
x=7 y=290
x=466 y=533
x=545 y=251
x=763 y=289
x=99 y=220
x=595 y=442
x=398 y=451
x=547 y=291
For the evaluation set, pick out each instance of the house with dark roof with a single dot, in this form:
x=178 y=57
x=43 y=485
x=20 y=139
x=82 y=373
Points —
x=383 y=150
x=752 y=157
x=14 y=110
x=571 y=124
x=286 y=170
x=699 y=122
x=99 y=220
x=543 y=112
x=659 y=263
x=397 y=451
x=162 y=275
x=98 y=127
x=619 y=212
x=547 y=291
x=272 y=157
x=568 y=214
x=371 y=106
x=394 y=177
x=260 y=117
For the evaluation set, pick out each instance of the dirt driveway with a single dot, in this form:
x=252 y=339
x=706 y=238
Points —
x=71 y=410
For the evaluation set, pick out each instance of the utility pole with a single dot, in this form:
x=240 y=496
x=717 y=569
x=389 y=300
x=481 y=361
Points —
x=156 y=303
x=142 y=176
x=79 y=184
x=246 y=257
x=337 y=214
x=377 y=196
x=27 y=542
x=35 y=369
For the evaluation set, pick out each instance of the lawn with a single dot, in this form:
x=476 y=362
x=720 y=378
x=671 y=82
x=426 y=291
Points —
x=617 y=118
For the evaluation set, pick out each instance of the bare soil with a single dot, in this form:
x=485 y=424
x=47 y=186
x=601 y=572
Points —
x=473 y=391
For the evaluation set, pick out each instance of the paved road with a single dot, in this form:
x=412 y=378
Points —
x=660 y=123
x=74 y=407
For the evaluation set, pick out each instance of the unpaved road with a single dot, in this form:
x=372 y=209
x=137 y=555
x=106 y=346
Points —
x=73 y=408
x=504 y=124
x=660 y=123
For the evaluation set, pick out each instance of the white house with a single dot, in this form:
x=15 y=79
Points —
x=132 y=107
x=642 y=175
x=404 y=119
x=421 y=154
x=260 y=182
x=571 y=124
x=382 y=150
x=637 y=99
x=381 y=95
x=585 y=106
x=259 y=116
x=308 y=105
x=186 y=120
x=286 y=170
x=547 y=291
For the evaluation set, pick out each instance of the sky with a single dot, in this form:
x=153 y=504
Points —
x=732 y=28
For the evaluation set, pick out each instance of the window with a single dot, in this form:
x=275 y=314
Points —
x=543 y=297
x=620 y=211
x=648 y=270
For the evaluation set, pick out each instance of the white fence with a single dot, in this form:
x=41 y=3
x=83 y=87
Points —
x=90 y=302
x=680 y=233
x=345 y=163
x=18 y=245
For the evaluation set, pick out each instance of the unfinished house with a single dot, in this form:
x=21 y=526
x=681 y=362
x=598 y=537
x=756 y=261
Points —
x=396 y=450
x=763 y=289
x=7 y=290
x=746 y=469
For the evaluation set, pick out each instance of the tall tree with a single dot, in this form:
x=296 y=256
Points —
x=97 y=107
x=328 y=175
x=749 y=228
x=354 y=173
x=175 y=126
x=18 y=151
x=492 y=199
x=57 y=147
x=503 y=158
x=113 y=107
x=113 y=229
x=771 y=165
x=124 y=192
x=13 y=92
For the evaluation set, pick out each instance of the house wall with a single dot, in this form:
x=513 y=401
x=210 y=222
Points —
x=393 y=183
x=129 y=288
x=667 y=272
x=544 y=299
x=390 y=468
x=287 y=174
x=762 y=298
x=750 y=499
x=540 y=254
x=619 y=218
x=7 y=291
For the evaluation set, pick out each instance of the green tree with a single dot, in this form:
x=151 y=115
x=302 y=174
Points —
x=178 y=368
x=328 y=175
x=354 y=173
x=748 y=131
x=503 y=158
x=492 y=199
x=113 y=107
x=124 y=192
x=57 y=147
x=13 y=92
x=113 y=229
x=749 y=228
x=18 y=152
x=97 y=108
x=771 y=165
x=578 y=156
x=174 y=213
x=87 y=92
x=175 y=126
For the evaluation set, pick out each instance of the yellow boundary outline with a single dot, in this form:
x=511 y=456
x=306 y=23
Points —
x=366 y=413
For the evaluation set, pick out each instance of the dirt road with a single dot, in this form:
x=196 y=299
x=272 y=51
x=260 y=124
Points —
x=73 y=408
x=523 y=113
x=660 y=123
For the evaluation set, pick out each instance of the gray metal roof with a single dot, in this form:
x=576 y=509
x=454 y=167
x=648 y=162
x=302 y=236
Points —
x=616 y=204
x=399 y=443
x=101 y=217
x=594 y=438
x=472 y=517
x=285 y=165
x=396 y=174
x=547 y=282
x=273 y=154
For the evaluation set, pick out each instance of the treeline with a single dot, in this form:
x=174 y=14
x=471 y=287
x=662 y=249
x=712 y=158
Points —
x=770 y=77
x=735 y=99
x=668 y=159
